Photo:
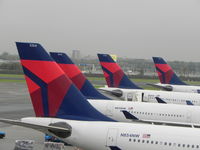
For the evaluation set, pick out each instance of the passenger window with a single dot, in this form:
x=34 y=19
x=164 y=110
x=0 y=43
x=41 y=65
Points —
x=143 y=141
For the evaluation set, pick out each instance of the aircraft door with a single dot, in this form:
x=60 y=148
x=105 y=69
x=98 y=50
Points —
x=188 y=117
x=142 y=97
x=109 y=109
x=198 y=91
x=138 y=96
x=111 y=139
x=134 y=96
x=130 y=97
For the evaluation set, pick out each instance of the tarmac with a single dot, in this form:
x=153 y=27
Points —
x=15 y=103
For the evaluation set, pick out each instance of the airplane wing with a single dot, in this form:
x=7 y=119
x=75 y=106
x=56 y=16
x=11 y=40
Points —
x=60 y=132
x=158 y=122
x=163 y=87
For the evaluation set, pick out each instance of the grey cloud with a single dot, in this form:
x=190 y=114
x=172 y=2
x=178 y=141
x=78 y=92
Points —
x=129 y=28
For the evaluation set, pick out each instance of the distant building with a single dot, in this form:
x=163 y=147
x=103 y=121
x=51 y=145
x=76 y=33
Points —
x=114 y=57
x=76 y=54
x=8 y=61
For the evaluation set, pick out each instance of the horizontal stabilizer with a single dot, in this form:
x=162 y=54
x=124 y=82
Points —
x=60 y=132
x=163 y=87
x=114 y=92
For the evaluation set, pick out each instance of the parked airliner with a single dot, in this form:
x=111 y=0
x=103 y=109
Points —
x=169 y=80
x=121 y=86
x=72 y=119
x=123 y=110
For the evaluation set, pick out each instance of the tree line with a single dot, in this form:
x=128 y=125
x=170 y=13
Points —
x=138 y=68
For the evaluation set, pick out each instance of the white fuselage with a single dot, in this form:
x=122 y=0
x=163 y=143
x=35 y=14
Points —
x=154 y=112
x=182 y=88
x=149 y=96
x=100 y=135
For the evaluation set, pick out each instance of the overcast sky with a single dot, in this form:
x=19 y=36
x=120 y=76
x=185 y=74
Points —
x=128 y=28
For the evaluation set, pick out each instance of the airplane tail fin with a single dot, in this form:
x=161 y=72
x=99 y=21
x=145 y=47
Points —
x=52 y=92
x=114 y=75
x=166 y=73
x=77 y=77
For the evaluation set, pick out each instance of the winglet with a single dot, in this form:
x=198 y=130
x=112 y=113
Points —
x=129 y=115
x=114 y=148
x=160 y=100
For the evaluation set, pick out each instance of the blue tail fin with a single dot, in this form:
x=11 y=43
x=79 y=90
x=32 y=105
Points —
x=52 y=92
x=166 y=73
x=114 y=75
x=77 y=77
